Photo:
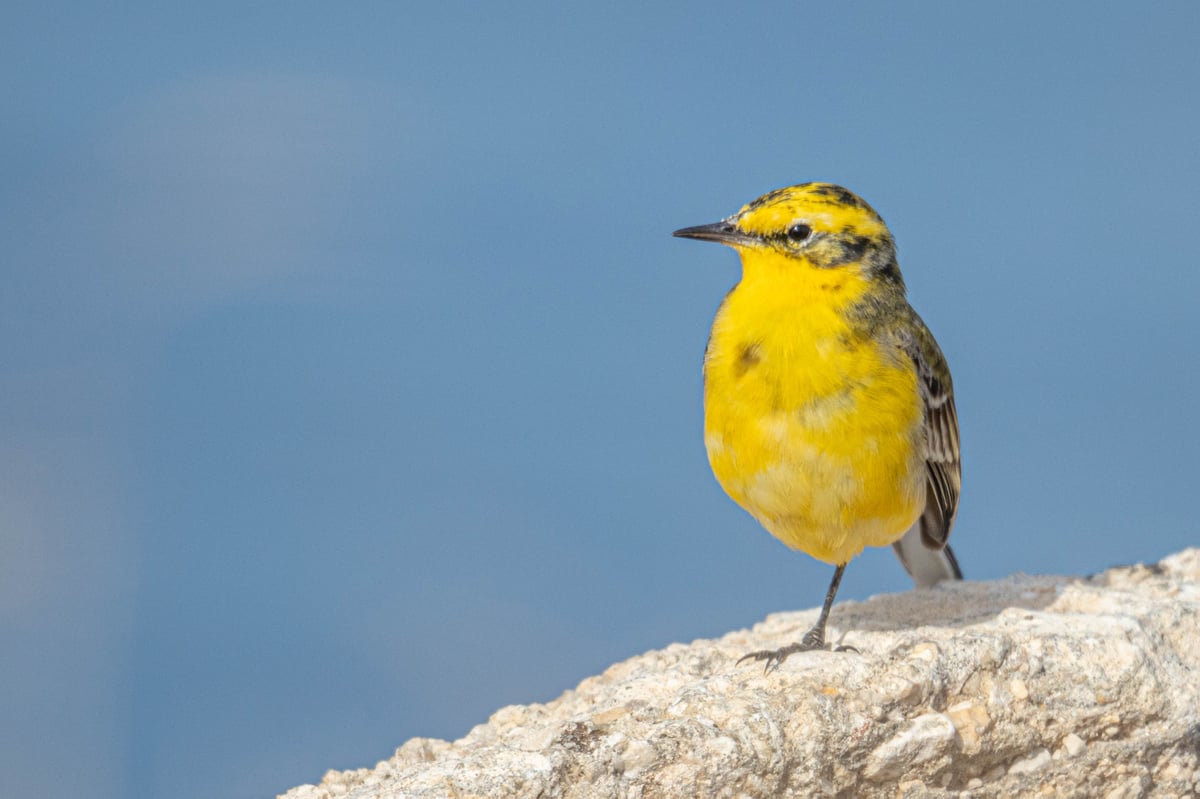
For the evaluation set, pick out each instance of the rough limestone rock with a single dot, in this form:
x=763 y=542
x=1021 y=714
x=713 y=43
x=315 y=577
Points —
x=1029 y=686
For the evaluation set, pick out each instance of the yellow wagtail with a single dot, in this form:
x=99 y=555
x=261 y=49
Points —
x=828 y=409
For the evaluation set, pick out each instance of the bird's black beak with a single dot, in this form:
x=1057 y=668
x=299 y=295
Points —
x=725 y=232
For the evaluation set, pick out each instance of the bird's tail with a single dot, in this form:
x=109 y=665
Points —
x=926 y=566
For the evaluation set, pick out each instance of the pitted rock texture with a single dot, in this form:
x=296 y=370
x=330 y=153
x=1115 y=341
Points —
x=1028 y=686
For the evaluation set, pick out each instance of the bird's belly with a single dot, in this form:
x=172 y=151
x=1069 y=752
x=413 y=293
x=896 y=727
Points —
x=828 y=475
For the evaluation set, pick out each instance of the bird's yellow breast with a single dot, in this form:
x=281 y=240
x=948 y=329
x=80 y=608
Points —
x=812 y=427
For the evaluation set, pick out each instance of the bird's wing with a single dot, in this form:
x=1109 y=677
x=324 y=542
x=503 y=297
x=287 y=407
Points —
x=943 y=462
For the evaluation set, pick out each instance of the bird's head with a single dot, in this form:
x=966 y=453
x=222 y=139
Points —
x=818 y=224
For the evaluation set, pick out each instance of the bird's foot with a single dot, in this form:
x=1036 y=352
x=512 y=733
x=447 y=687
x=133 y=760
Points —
x=813 y=640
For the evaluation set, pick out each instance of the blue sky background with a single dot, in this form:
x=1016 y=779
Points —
x=350 y=377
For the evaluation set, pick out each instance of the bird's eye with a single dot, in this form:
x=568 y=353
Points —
x=798 y=233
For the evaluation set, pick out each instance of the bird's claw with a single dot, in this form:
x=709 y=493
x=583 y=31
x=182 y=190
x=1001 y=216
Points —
x=813 y=640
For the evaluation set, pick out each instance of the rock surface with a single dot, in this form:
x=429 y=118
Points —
x=1028 y=686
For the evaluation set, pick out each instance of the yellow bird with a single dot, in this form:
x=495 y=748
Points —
x=828 y=407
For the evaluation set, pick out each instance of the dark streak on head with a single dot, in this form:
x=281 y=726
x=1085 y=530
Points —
x=847 y=249
x=831 y=251
x=771 y=197
x=839 y=195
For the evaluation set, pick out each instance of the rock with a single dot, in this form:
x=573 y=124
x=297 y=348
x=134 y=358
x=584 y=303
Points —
x=1028 y=686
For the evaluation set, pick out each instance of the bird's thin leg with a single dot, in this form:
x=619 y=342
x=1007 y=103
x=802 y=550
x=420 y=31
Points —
x=813 y=639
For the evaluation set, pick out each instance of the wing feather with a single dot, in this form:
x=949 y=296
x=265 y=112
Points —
x=943 y=462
